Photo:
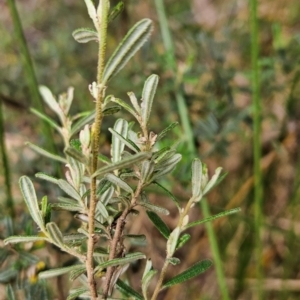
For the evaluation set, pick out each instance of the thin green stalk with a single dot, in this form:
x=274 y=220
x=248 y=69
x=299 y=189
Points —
x=6 y=170
x=258 y=191
x=183 y=113
x=96 y=129
x=29 y=70
x=215 y=250
x=171 y=63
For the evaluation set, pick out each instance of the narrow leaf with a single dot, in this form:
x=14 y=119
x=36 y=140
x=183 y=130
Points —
x=209 y=219
x=213 y=181
x=46 y=177
x=183 y=240
x=30 y=198
x=117 y=9
x=67 y=206
x=149 y=91
x=8 y=274
x=124 y=163
x=146 y=281
x=77 y=155
x=46 y=119
x=69 y=189
x=119 y=183
x=102 y=209
x=196 y=177
x=172 y=241
x=92 y=11
x=174 y=261
x=191 y=272
x=126 y=289
x=77 y=292
x=124 y=105
x=111 y=110
x=51 y=101
x=129 y=258
x=83 y=121
x=55 y=233
x=151 y=207
x=45 y=153
x=124 y=140
x=58 y=272
x=165 y=131
x=159 y=224
x=24 y=239
x=10 y=293
x=77 y=272
x=84 y=35
x=121 y=128
x=168 y=193
x=132 y=42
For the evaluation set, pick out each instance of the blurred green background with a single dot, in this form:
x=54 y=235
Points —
x=211 y=44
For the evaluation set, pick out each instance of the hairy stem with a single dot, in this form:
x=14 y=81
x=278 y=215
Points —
x=117 y=237
x=96 y=129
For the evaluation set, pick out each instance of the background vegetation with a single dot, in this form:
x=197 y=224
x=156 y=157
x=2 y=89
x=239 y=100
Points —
x=212 y=50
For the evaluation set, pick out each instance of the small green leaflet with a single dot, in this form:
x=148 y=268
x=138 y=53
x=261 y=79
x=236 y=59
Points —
x=195 y=270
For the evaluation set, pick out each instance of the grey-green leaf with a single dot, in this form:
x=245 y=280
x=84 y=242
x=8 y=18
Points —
x=67 y=206
x=124 y=141
x=209 y=219
x=119 y=182
x=124 y=163
x=58 y=271
x=146 y=281
x=151 y=207
x=149 y=91
x=191 y=272
x=46 y=177
x=126 y=289
x=159 y=224
x=46 y=153
x=74 y=153
x=74 y=293
x=129 y=258
x=10 y=293
x=165 y=131
x=69 y=189
x=120 y=127
x=85 y=35
x=55 y=233
x=196 y=177
x=46 y=119
x=124 y=105
x=83 y=121
x=132 y=42
x=51 y=101
x=30 y=198
x=24 y=239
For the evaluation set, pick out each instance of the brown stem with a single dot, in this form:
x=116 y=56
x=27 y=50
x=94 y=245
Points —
x=117 y=237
